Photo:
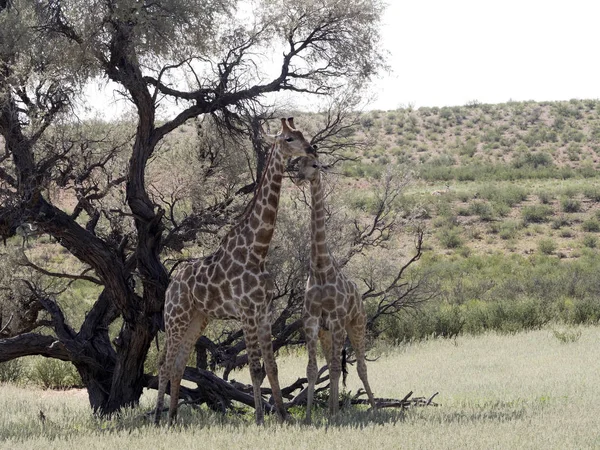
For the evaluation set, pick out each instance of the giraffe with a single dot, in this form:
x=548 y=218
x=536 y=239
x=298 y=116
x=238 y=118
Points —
x=231 y=283
x=332 y=304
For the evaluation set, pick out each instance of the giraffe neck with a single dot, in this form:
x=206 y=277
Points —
x=320 y=258
x=259 y=224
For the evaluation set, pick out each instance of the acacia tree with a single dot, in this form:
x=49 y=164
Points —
x=202 y=56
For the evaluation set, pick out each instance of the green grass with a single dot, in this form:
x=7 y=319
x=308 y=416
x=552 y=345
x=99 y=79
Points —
x=527 y=391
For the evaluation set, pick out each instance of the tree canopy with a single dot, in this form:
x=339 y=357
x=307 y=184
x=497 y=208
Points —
x=88 y=183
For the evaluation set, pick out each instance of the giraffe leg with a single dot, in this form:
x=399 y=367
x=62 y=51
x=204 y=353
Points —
x=163 y=379
x=178 y=358
x=253 y=349
x=266 y=346
x=311 y=330
x=356 y=333
x=335 y=369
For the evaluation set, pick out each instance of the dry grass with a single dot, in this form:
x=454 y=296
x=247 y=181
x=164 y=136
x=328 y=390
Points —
x=529 y=390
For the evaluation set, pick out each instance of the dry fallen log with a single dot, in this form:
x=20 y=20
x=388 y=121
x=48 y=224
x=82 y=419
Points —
x=406 y=402
x=220 y=394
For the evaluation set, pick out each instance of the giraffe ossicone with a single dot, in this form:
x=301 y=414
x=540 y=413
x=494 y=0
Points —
x=333 y=306
x=232 y=283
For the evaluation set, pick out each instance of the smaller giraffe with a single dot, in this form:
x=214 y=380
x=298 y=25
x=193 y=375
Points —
x=332 y=304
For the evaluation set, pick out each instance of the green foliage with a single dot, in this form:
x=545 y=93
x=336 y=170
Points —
x=547 y=246
x=11 y=371
x=545 y=197
x=566 y=336
x=533 y=160
x=510 y=195
x=591 y=225
x=593 y=193
x=509 y=229
x=536 y=213
x=484 y=210
x=590 y=241
x=450 y=237
x=54 y=374
x=505 y=293
x=560 y=222
x=570 y=205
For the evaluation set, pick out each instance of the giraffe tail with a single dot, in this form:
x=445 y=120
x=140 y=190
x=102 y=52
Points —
x=344 y=367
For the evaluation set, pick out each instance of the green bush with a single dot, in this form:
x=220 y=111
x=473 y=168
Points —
x=536 y=213
x=534 y=160
x=567 y=336
x=545 y=197
x=560 y=222
x=54 y=374
x=450 y=237
x=590 y=241
x=509 y=229
x=482 y=209
x=570 y=205
x=547 y=246
x=592 y=193
x=11 y=371
x=591 y=225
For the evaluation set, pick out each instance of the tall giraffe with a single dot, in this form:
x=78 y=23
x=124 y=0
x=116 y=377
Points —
x=232 y=283
x=332 y=304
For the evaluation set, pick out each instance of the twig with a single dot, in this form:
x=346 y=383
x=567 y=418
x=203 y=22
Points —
x=5 y=327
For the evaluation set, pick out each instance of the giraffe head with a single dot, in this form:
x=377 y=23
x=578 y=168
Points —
x=290 y=141
x=309 y=168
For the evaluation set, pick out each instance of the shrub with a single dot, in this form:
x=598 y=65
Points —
x=570 y=205
x=450 y=237
x=11 y=371
x=591 y=225
x=590 y=241
x=502 y=209
x=545 y=197
x=567 y=233
x=547 y=246
x=559 y=223
x=54 y=374
x=593 y=193
x=482 y=209
x=533 y=160
x=567 y=336
x=509 y=230
x=536 y=213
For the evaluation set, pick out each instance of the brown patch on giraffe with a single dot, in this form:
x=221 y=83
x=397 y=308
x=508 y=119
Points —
x=249 y=280
x=236 y=270
x=264 y=236
x=273 y=200
x=268 y=215
x=254 y=222
x=240 y=254
x=199 y=291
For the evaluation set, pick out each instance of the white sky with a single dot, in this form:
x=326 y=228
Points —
x=450 y=52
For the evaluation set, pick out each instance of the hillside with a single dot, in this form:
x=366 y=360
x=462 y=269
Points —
x=515 y=177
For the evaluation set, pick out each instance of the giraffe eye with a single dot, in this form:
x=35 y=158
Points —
x=315 y=166
x=289 y=139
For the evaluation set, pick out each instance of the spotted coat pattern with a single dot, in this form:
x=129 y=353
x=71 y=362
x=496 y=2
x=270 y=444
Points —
x=332 y=304
x=232 y=283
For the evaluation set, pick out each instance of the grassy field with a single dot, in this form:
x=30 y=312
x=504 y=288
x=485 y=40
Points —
x=528 y=391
